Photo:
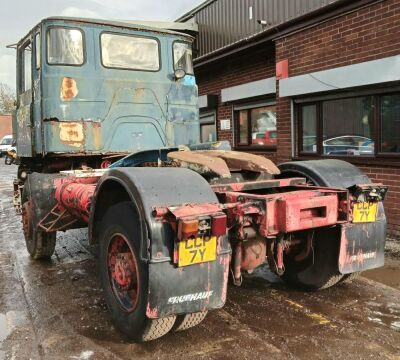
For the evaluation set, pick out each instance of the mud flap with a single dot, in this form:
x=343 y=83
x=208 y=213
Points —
x=362 y=246
x=39 y=188
x=195 y=288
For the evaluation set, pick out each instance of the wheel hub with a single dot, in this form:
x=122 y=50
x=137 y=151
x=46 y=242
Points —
x=123 y=272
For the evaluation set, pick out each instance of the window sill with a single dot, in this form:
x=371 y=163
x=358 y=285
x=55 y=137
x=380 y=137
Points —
x=378 y=160
x=255 y=148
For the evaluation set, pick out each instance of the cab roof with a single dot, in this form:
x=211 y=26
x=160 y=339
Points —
x=169 y=28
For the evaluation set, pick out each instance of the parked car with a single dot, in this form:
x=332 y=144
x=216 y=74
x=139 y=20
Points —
x=5 y=144
x=348 y=145
x=11 y=155
x=267 y=137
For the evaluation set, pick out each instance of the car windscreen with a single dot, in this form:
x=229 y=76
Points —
x=7 y=141
x=65 y=46
x=130 y=52
x=183 y=57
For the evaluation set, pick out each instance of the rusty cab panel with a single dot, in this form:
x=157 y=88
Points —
x=105 y=88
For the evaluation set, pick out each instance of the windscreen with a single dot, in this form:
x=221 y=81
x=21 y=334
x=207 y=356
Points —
x=6 y=141
x=130 y=52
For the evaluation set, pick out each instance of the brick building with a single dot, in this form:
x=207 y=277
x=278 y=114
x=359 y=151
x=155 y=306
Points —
x=5 y=125
x=304 y=80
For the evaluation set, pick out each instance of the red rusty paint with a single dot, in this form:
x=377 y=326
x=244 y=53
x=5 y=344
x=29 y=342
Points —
x=75 y=195
x=285 y=212
x=260 y=184
x=237 y=263
x=306 y=213
x=225 y=261
x=105 y=164
x=195 y=210
x=279 y=257
x=151 y=313
x=254 y=253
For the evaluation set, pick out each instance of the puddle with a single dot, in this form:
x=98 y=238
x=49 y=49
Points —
x=395 y=325
x=388 y=274
x=4 y=329
x=386 y=314
x=85 y=355
x=8 y=323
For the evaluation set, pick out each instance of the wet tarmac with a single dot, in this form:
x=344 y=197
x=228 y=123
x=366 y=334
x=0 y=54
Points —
x=55 y=310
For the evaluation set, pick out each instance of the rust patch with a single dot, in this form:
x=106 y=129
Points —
x=69 y=89
x=71 y=133
x=138 y=93
x=244 y=161
x=96 y=131
x=201 y=163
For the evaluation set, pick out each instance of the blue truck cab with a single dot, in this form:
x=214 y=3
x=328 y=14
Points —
x=90 y=90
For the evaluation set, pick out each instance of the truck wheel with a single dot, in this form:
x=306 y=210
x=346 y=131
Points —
x=321 y=270
x=124 y=275
x=187 y=321
x=40 y=244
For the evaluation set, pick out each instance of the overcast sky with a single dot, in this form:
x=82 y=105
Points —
x=17 y=17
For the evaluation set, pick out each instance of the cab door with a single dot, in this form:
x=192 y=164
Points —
x=36 y=117
x=24 y=101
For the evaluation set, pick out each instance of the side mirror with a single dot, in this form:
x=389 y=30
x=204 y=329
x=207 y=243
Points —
x=179 y=74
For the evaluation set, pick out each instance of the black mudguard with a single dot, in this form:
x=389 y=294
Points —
x=361 y=246
x=40 y=189
x=172 y=290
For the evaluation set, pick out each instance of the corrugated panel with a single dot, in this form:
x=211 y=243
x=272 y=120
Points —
x=224 y=22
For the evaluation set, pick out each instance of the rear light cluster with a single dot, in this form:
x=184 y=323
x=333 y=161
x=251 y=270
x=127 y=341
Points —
x=214 y=225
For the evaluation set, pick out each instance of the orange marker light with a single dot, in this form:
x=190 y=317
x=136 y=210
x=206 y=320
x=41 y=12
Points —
x=188 y=228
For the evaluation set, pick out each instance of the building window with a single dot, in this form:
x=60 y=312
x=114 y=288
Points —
x=309 y=128
x=390 y=123
x=256 y=127
x=347 y=127
x=208 y=132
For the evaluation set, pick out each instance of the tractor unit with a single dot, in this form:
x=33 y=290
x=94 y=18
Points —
x=107 y=131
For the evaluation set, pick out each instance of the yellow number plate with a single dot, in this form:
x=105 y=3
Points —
x=195 y=251
x=364 y=212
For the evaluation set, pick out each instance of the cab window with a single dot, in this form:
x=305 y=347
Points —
x=183 y=57
x=130 y=52
x=65 y=46
x=27 y=56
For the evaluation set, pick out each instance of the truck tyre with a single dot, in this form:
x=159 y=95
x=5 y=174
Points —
x=321 y=271
x=348 y=278
x=40 y=244
x=187 y=321
x=124 y=275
